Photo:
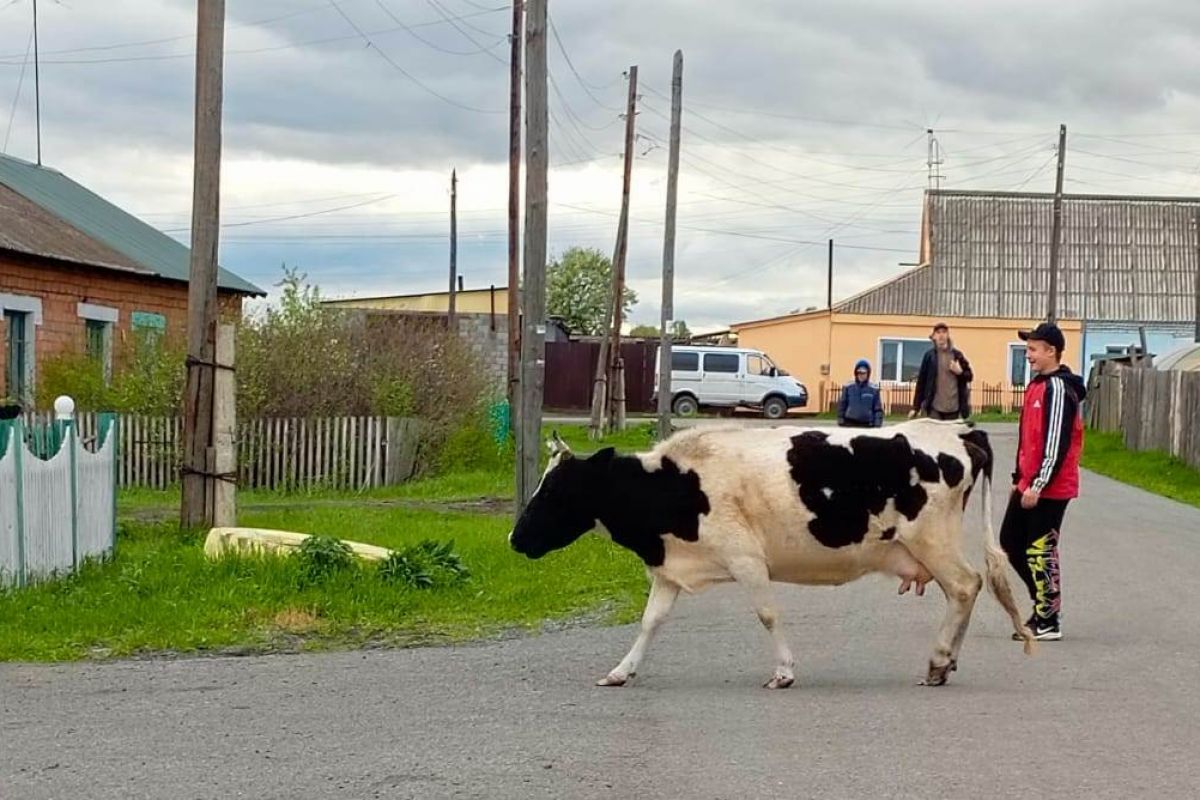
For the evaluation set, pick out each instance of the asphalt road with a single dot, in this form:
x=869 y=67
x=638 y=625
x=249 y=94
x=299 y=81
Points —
x=1113 y=711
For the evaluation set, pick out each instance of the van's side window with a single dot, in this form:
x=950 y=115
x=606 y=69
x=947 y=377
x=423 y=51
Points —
x=756 y=365
x=686 y=362
x=721 y=362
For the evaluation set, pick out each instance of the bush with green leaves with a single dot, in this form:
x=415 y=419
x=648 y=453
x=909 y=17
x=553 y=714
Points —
x=323 y=556
x=425 y=565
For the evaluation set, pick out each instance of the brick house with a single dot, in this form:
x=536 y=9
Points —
x=78 y=274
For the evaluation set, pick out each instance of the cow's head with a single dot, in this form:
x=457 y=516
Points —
x=563 y=506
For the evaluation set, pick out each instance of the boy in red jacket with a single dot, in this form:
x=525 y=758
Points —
x=1047 y=476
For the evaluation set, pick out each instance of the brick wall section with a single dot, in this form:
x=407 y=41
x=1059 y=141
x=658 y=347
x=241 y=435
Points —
x=490 y=347
x=61 y=287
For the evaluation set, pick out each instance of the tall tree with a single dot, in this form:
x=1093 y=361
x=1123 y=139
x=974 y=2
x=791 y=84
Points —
x=578 y=284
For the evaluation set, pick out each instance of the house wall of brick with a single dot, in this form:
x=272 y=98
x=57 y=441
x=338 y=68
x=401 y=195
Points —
x=61 y=288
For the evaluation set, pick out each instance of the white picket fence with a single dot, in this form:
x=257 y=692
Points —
x=56 y=508
x=333 y=452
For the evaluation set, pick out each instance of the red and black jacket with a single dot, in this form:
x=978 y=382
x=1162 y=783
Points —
x=1051 y=435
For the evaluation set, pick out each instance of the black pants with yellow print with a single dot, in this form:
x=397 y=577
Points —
x=1030 y=538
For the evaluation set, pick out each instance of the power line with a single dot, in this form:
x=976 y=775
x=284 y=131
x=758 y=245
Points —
x=434 y=45
x=12 y=115
x=405 y=72
x=292 y=216
x=454 y=24
x=566 y=57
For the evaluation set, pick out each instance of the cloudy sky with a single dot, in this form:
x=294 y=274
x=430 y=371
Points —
x=802 y=121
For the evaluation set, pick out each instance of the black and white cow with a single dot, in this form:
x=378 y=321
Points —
x=805 y=506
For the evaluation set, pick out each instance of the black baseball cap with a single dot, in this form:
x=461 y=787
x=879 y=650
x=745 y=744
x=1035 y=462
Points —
x=1047 y=332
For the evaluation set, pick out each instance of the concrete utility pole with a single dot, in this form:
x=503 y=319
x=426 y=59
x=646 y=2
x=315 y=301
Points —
x=1056 y=230
x=514 y=209
x=668 y=269
x=199 y=456
x=451 y=317
x=533 y=336
x=37 y=85
x=829 y=280
x=1198 y=275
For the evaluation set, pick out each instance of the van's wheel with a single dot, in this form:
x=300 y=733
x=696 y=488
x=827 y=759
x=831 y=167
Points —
x=685 y=406
x=775 y=408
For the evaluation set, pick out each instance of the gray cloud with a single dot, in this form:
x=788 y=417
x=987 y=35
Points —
x=802 y=122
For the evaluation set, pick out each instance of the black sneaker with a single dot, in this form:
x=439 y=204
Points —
x=1044 y=630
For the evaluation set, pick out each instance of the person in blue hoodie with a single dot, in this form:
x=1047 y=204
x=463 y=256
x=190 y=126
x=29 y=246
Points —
x=860 y=406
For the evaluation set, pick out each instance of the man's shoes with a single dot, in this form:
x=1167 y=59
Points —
x=1044 y=630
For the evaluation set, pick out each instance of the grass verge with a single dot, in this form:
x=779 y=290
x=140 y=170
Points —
x=1153 y=471
x=161 y=595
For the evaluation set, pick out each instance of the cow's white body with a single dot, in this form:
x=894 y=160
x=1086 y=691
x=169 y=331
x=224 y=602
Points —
x=758 y=531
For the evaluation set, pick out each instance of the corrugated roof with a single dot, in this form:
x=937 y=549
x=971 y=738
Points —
x=137 y=245
x=990 y=255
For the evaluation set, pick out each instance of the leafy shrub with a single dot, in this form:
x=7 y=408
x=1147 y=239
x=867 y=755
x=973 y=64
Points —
x=425 y=565
x=322 y=556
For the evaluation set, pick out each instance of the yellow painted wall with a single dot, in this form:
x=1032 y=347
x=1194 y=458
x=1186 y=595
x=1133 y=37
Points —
x=802 y=344
x=471 y=301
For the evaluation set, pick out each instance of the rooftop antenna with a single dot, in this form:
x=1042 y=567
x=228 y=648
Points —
x=933 y=160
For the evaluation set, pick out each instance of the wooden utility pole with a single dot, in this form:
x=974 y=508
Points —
x=1056 y=230
x=668 y=269
x=451 y=317
x=199 y=456
x=604 y=386
x=617 y=381
x=514 y=209
x=533 y=335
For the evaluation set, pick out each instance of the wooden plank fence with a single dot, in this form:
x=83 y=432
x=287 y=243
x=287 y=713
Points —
x=1152 y=409
x=897 y=397
x=285 y=454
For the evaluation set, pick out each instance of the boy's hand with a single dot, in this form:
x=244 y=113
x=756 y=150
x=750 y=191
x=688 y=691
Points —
x=1029 y=499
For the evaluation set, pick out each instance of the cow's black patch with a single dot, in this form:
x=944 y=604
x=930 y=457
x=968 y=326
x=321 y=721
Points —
x=640 y=506
x=844 y=486
x=952 y=469
x=890 y=533
x=979 y=450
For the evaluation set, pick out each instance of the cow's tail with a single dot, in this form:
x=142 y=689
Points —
x=997 y=561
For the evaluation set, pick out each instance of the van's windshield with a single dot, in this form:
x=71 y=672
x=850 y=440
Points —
x=770 y=365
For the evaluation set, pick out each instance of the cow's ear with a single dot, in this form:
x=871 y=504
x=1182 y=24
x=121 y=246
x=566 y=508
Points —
x=557 y=446
x=603 y=456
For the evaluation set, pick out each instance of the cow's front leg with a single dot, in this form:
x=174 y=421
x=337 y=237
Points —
x=961 y=585
x=755 y=577
x=658 y=606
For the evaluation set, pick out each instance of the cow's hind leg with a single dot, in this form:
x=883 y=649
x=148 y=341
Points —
x=658 y=606
x=961 y=584
x=757 y=580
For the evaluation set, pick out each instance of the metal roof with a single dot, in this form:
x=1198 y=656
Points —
x=65 y=221
x=990 y=251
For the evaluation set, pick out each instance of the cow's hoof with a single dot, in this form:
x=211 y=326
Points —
x=938 y=675
x=613 y=679
x=780 y=682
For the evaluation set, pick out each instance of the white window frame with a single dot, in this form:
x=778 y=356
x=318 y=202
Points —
x=1008 y=367
x=109 y=316
x=877 y=370
x=32 y=306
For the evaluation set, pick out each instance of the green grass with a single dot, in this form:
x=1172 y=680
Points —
x=161 y=595
x=1153 y=471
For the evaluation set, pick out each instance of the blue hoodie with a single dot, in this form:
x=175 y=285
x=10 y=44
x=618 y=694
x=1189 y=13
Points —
x=860 y=401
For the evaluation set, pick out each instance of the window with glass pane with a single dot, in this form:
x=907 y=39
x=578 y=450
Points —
x=17 y=363
x=1018 y=368
x=721 y=362
x=685 y=362
x=891 y=361
x=910 y=360
x=95 y=339
x=755 y=365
